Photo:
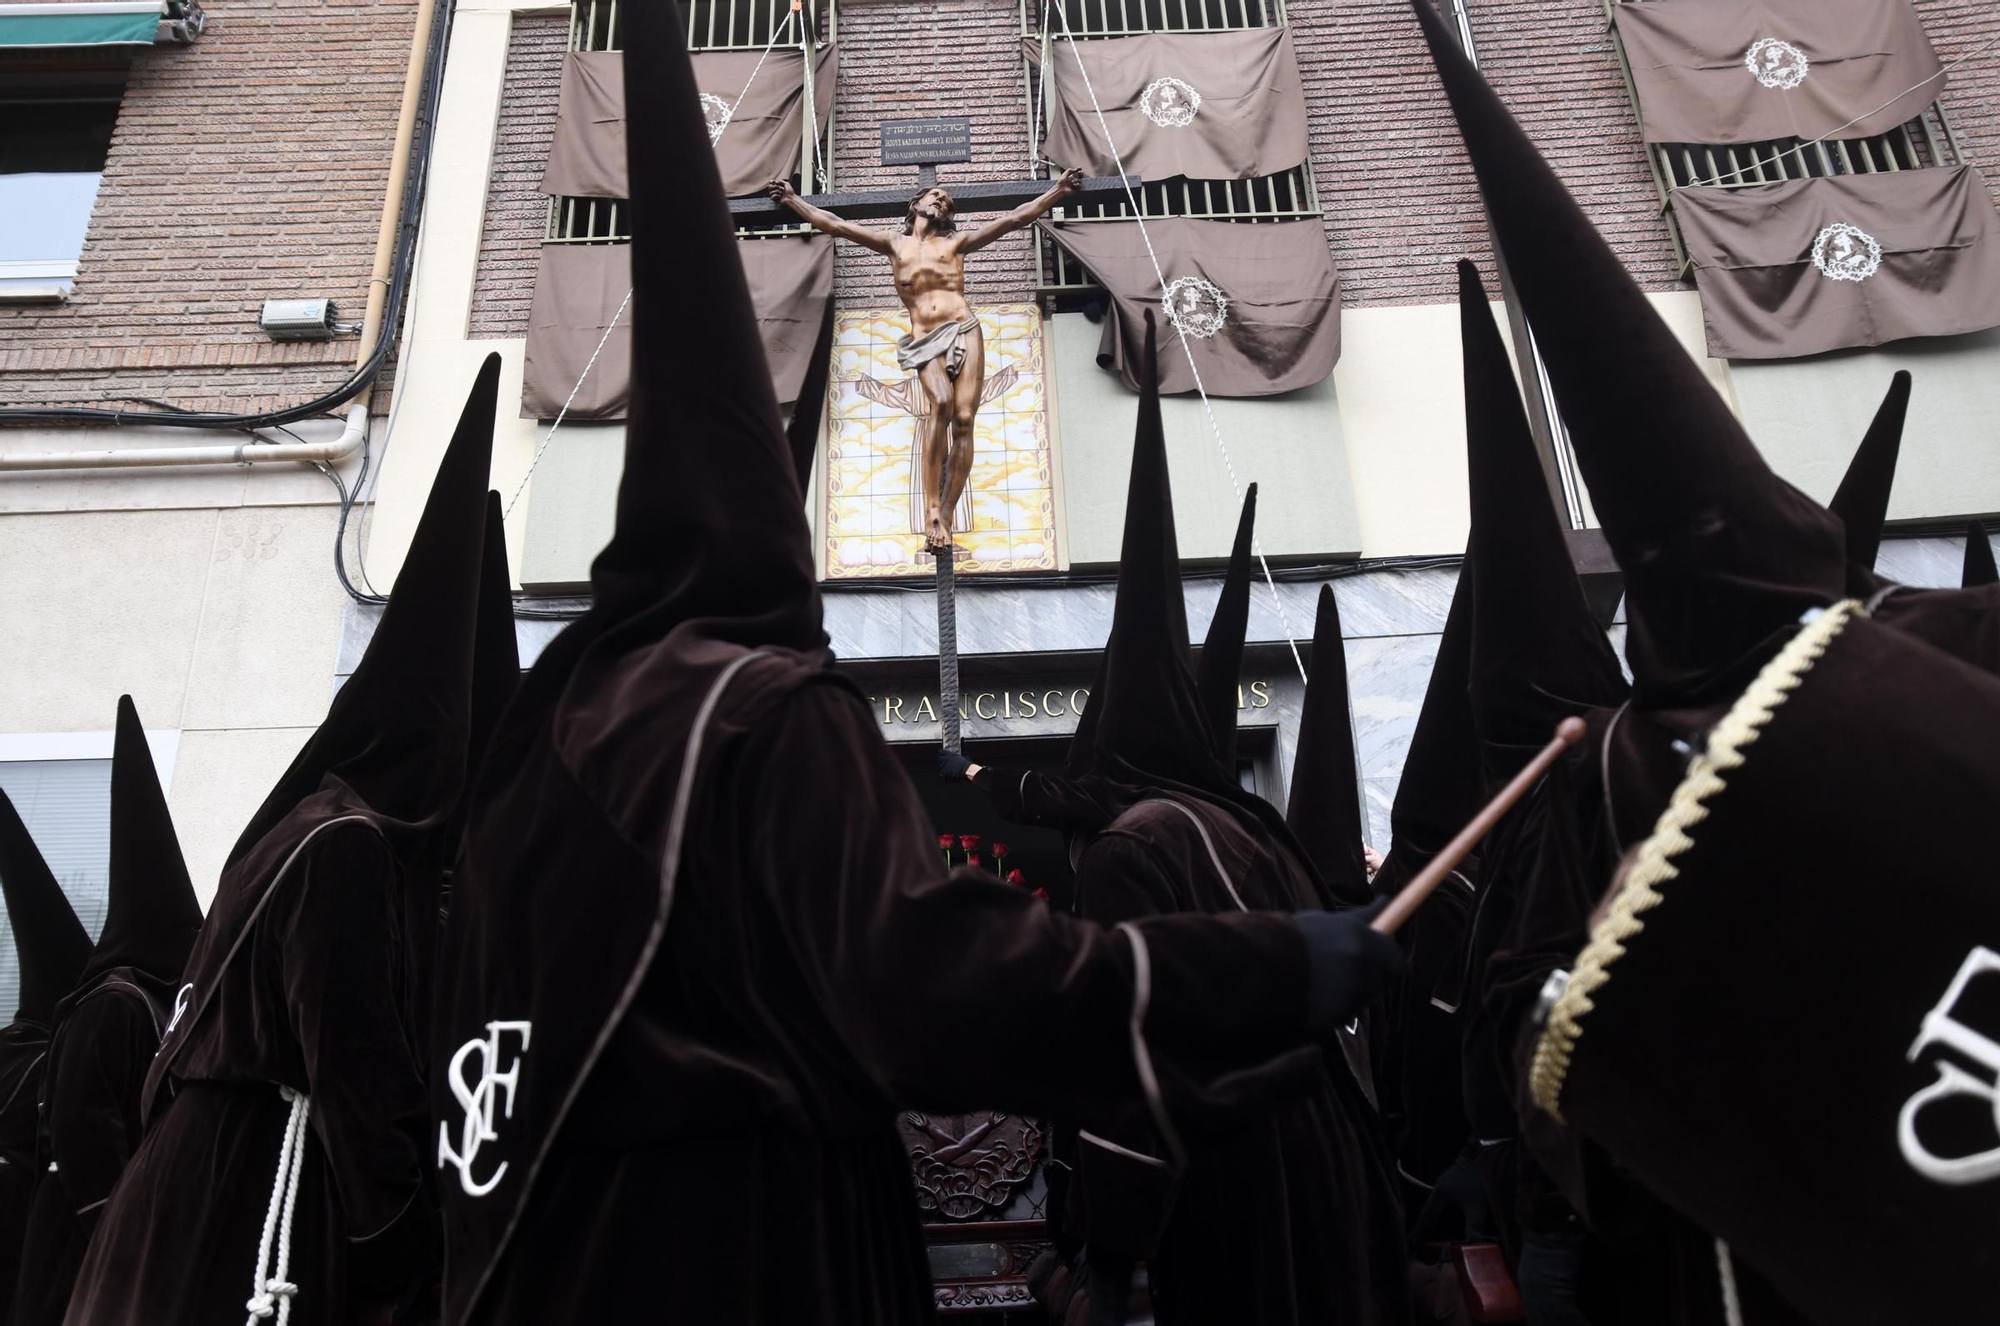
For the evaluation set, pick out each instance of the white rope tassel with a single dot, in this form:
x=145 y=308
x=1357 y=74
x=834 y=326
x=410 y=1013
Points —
x=1725 y=1265
x=271 y=1294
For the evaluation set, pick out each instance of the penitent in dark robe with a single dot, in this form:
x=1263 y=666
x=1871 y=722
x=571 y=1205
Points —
x=1295 y=1218
x=1720 y=557
x=701 y=949
x=107 y=1030
x=288 y=1152
x=50 y=947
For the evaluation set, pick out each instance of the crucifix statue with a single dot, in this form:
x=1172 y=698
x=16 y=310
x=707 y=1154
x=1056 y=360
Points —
x=944 y=351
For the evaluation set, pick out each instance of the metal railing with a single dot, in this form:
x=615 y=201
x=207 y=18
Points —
x=712 y=25
x=1291 y=195
x=1927 y=140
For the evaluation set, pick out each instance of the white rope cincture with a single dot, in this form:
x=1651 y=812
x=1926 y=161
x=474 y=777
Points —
x=728 y=114
x=1208 y=410
x=271 y=1293
x=1725 y=1266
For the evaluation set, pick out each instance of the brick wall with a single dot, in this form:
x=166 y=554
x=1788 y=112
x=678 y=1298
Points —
x=510 y=242
x=249 y=165
x=1400 y=202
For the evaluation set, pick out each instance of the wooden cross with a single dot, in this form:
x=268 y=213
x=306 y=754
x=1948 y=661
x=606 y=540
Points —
x=936 y=141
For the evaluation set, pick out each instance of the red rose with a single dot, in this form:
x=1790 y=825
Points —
x=999 y=849
x=946 y=841
x=969 y=841
x=1017 y=879
x=972 y=859
x=1042 y=894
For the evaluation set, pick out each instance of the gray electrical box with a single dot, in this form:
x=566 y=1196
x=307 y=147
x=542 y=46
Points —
x=297 y=319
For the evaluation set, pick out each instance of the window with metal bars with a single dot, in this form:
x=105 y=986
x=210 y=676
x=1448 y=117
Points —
x=1928 y=140
x=712 y=25
x=1292 y=195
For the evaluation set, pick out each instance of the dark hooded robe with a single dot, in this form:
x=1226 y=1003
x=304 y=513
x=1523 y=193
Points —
x=1296 y=1219
x=292 y=1077
x=1862 y=500
x=1218 y=674
x=1418 y=1058
x=701 y=946
x=1720 y=558
x=107 y=1030
x=1978 y=569
x=51 y=947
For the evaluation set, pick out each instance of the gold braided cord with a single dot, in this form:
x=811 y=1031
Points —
x=1653 y=864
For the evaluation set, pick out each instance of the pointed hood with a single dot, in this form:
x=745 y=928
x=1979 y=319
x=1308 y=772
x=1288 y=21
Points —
x=394 y=739
x=1441 y=788
x=1538 y=655
x=711 y=521
x=1862 y=500
x=496 y=658
x=152 y=918
x=50 y=944
x=802 y=432
x=1150 y=725
x=1219 y=670
x=1978 y=569
x=1719 y=554
x=1324 y=810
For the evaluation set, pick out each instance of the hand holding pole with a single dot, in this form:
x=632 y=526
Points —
x=1568 y=733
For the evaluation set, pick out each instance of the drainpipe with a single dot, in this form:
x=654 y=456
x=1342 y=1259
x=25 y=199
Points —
x=349 y=441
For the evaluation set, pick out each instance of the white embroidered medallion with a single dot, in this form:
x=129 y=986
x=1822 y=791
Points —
x=1196 y=306
x=1941 y=1027
x=717 y=112
x=1846 y=253
x=1170 y=103
x=1776 y=64
x=477 y=1098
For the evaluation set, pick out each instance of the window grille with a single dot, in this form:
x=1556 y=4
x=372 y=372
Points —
x=1927 y=140
x=1292 y=195
x=712 y=25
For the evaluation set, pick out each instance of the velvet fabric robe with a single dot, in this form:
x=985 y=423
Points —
x=105 y=1036
x=317 y=998
x=731 y=1154
x=24 y=1050
x=1294 y=1217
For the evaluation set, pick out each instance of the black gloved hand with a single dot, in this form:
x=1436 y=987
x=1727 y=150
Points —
x=1347 y=964
x=952 y=765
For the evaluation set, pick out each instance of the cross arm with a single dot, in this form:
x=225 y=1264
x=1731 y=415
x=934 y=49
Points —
x=877 y=204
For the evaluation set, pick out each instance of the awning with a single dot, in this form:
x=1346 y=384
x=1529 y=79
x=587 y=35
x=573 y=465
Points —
x=87 y=23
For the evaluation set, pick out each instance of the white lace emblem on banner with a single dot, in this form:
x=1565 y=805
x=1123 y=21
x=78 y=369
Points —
x=1170 y=103
x=1776 y=64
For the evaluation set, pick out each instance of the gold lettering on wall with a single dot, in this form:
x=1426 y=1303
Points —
x=1014 y=706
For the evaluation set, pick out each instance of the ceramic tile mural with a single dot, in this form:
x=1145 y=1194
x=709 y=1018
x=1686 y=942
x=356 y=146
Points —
x=1006 y=521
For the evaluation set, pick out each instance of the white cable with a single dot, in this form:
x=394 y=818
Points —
x=720 y=129
x=1215 y=430
x=1815 y=142
x=271 y=1294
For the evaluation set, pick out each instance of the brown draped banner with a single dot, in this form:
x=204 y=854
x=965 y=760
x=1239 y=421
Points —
x=1823 y=264
x=1747 y=71
x=1212 y=105
x=579 y=287
x=1259 y=304
x=761 y=142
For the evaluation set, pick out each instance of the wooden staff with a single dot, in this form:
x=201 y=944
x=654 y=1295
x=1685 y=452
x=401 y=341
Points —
x=1568 y=733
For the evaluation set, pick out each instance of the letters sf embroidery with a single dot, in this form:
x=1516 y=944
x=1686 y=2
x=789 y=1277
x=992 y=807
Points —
x=477 y=1094
x=1941 y=1028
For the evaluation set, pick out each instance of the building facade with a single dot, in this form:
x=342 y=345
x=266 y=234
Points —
x=253 y=253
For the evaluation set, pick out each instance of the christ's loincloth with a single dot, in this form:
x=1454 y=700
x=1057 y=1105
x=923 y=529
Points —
x=946 y=343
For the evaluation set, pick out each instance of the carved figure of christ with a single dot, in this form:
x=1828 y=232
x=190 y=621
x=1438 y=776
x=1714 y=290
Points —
x=945 y=352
